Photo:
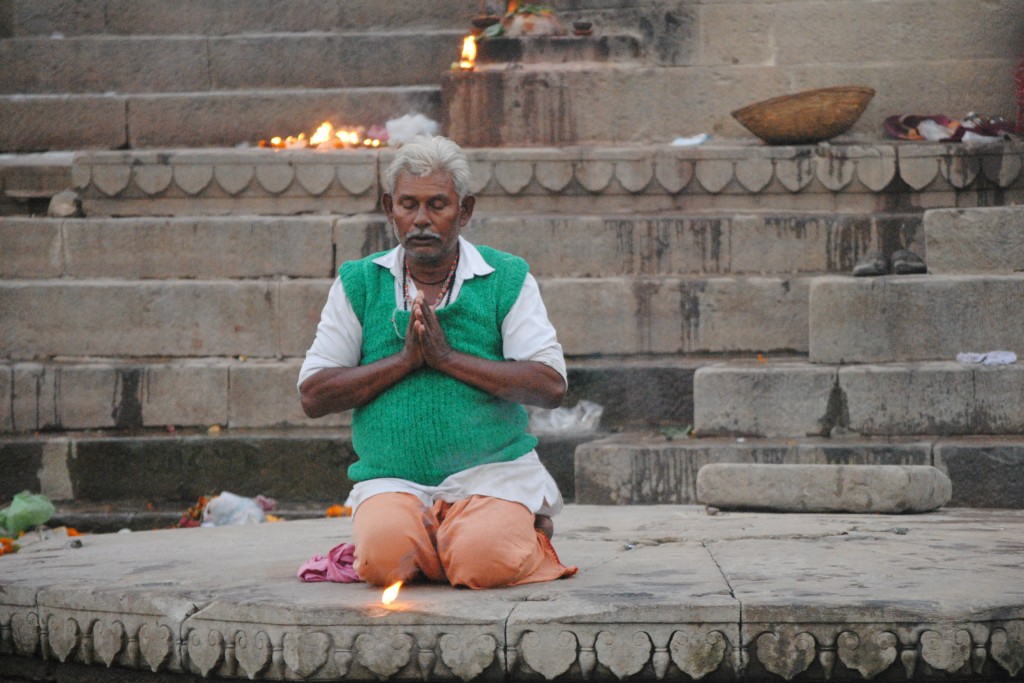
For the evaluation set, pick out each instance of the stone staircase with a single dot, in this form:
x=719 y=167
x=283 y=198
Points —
x=165 y=349
x=879 y=384
x=148 y=351
x=123 y=73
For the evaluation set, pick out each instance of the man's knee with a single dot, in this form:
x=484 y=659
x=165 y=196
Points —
x=479 y=553
x=392 y=533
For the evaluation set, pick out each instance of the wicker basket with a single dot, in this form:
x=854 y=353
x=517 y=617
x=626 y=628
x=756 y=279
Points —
x=805 y=117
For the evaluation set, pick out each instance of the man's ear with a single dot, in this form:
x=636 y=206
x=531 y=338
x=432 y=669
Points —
x=468 y=203
x=389 y=205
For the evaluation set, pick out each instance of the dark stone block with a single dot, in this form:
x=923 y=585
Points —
x=20 y=462
x=558 y=453
x=870 y=453
x=984 y=476
x=179 y=469
x=635 y=396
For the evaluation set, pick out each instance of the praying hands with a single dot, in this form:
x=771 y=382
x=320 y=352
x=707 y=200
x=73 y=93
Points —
x=426 y=335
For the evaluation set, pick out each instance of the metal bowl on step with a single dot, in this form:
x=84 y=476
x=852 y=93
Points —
x=806 y=117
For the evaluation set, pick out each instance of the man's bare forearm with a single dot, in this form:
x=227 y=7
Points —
x=526 y=381
x=335 y=390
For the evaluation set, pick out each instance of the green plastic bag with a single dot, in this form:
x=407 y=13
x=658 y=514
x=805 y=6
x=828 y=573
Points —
x=26 y=511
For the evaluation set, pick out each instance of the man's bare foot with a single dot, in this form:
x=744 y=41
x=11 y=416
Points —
x=543 y=524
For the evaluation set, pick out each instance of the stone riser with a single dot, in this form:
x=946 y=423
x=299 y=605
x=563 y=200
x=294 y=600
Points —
x=643 y=470
x=75 y=17
x=910 y=318
x=626 y=469
x=222 y=119
x=273 y=318
x=572 y=246
x=294 y=467
x=192 y=64
x=216 y=17
x=985 y=240
x=134 y=394
x=797 y=400
x=581 y=180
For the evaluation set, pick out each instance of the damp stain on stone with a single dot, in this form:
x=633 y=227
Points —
x=655 y=248
x=624 y=242
x=127 y=402
x=663 y=477
x=550 y=118
x=837 y=412
x=846 y=240
x=689 y=313
x=791 y=226
x=643 y=294
x=707 y=235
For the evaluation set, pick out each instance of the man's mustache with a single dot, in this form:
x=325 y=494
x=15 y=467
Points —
x=422 y=234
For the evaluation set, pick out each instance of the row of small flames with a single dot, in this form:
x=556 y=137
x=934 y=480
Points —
x=328 y=137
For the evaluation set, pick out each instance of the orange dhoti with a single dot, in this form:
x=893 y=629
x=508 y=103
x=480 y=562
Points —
x=478 y=542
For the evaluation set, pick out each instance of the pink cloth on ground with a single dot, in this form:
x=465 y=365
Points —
x=337 y=566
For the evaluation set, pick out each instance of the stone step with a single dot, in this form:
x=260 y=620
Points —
x=793 y=400
x=200 y=119
x=914 y=317
x=239 y=393
x=219 y=17
x=555 y=246
x=180 y=64
x=176 y=248
x=277 y=317
x=162 y=469
x=981 y=240
x=879 y=489
x=642 y=468
x=890 y=177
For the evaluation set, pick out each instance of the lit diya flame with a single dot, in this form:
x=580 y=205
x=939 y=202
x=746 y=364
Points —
x=468 y=59
x=391 y=593
x=327 y=137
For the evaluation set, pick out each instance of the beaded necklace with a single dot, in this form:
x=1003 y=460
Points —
x=446 y=288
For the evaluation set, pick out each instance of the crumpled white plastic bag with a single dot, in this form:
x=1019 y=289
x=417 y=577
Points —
x=582 y=418
x=229 y=509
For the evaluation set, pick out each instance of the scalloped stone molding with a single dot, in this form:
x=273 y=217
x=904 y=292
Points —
x=219 y=649
x=236 y=181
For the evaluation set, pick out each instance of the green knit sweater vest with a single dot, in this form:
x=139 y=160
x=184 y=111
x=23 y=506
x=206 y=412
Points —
x=430 y=426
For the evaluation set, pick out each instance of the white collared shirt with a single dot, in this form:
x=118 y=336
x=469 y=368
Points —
x=526 y=333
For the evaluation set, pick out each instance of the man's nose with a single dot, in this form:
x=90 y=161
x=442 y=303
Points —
x=422 y=217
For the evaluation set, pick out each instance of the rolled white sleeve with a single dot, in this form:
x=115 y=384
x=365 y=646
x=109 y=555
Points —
x=527 y=333
x=339 y=336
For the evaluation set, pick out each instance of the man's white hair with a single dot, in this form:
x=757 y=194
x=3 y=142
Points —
x=425 y=155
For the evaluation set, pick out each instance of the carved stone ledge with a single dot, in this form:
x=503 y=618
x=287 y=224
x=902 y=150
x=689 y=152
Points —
x=923 y=650
x=658 y=651
x=137 y=641
x=280 y=652
x=240 y=181
x=226 y=181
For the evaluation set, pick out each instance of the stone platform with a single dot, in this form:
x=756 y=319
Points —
x=663 y=592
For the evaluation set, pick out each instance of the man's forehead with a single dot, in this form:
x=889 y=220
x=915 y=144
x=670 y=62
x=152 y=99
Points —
x=434 y=185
